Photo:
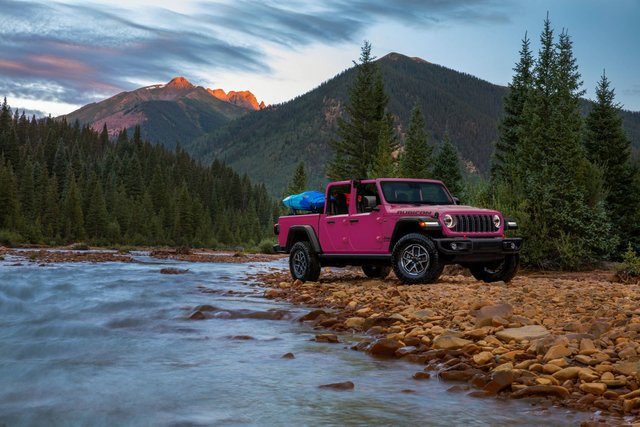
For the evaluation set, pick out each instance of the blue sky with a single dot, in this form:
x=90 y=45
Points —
x=56 y=56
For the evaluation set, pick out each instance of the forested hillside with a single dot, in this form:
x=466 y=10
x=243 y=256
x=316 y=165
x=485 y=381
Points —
x=268 y=144
x=62 y=183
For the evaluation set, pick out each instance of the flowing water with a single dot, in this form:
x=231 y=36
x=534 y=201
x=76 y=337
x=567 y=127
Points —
x=110 y=344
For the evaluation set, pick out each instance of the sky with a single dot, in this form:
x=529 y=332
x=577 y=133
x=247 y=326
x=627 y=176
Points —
x=56 y=56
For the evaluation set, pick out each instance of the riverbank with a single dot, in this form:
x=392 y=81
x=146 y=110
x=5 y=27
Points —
x=572 y=338
x=45 y=255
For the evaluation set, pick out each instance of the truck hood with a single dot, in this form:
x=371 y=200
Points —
x=431 y=210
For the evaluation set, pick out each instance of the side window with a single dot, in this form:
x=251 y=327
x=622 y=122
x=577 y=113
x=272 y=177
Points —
x=338 y=203
x=366 y=190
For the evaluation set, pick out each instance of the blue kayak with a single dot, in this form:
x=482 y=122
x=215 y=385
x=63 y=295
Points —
x=312 y=201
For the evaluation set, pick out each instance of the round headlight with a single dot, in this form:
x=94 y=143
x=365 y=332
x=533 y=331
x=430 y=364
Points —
x=449 y=221
x=496 y=221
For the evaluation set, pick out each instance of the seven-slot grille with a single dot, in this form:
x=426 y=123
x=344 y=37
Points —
x=474 y=224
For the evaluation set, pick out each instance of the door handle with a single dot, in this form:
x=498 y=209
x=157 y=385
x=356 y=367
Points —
x=353 y=220
x=331 y=222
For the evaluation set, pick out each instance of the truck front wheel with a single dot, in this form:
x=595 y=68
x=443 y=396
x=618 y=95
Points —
x=498 y=271
x=415 y=259
x=304 y=264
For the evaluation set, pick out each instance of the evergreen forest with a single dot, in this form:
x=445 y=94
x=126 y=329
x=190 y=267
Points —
x=62 y=183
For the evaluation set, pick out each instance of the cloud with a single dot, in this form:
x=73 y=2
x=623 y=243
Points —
x=80 y=53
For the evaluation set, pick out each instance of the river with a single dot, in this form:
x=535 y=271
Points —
x=105 y=344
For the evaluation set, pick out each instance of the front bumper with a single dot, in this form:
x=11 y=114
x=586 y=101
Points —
x=478 y=247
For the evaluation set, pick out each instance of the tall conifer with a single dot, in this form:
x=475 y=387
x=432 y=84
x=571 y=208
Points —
x=417 y=159
x=357 y=142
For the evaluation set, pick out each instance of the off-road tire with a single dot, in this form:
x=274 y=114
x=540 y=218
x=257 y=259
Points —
x=303 y=263
x=415 y=259
x=376 y=271
x=504 y=270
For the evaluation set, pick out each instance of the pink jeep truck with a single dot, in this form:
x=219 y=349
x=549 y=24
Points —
x=412 y=225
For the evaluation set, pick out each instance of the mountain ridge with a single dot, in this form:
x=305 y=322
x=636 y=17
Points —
x=171 y=113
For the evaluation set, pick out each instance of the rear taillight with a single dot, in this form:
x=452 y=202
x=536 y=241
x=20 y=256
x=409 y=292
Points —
x=276 y=229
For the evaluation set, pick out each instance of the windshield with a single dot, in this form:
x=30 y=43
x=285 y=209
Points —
x=415 y=192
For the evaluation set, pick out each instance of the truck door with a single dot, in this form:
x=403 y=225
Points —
x=366 y=226
x=334 y=225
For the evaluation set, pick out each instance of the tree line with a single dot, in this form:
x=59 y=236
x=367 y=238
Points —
x=569 y=182
x=62 y=183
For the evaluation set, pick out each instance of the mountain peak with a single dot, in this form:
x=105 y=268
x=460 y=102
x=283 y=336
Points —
x=243 y=98
x=179 y=83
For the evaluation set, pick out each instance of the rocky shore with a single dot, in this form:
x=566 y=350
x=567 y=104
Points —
x=573 y=338
x=87 y=254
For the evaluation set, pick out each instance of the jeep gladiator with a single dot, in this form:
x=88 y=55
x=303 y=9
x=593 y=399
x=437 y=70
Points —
x=414 y=226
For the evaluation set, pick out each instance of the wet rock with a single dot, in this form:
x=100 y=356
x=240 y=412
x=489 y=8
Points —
x=242 y=337
x=593 y=388
x=464 y=375
x=542 y=390
x=486 y=314
x=288 y=356
x=557 y=351
x=347 y=385
x=529 y=332
x=403 y=351
x=272 y=293
x=172 y=270
x=197 y=315
x=328 y=338
x=421 y=375
x=384 y=347
x=499 y=381
x=448 y=342
x=206 y=307
x=312 y=315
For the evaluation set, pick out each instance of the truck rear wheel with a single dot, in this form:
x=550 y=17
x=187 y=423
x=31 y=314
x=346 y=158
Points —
x=376 y=271
x=304 y=264
x=415 y=259
x=504 y=270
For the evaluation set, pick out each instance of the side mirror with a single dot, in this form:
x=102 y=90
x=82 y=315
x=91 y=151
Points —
x=456 y=201
x=370 y=204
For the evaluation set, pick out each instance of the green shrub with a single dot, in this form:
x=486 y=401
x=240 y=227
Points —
x=10 y=238
x=631 y=262
x=266 y=246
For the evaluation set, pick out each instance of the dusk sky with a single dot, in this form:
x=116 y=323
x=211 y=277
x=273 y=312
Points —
x=57 y=56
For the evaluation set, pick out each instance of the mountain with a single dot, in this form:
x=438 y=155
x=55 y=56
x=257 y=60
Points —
x=268 y=144
x=167 y=113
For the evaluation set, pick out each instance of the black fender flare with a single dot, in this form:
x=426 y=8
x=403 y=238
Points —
x=310 y=234
x=409 y=224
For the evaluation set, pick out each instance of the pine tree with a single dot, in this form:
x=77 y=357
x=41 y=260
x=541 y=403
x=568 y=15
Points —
x=358 y=133
x=9 y=205
x=298 y=183
x=97 y=214
x=72 y=214
x=608 y=146
x=385 y=165
x=447 y=167
x=51 y=211
x=416 y=161
x=505 y=160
